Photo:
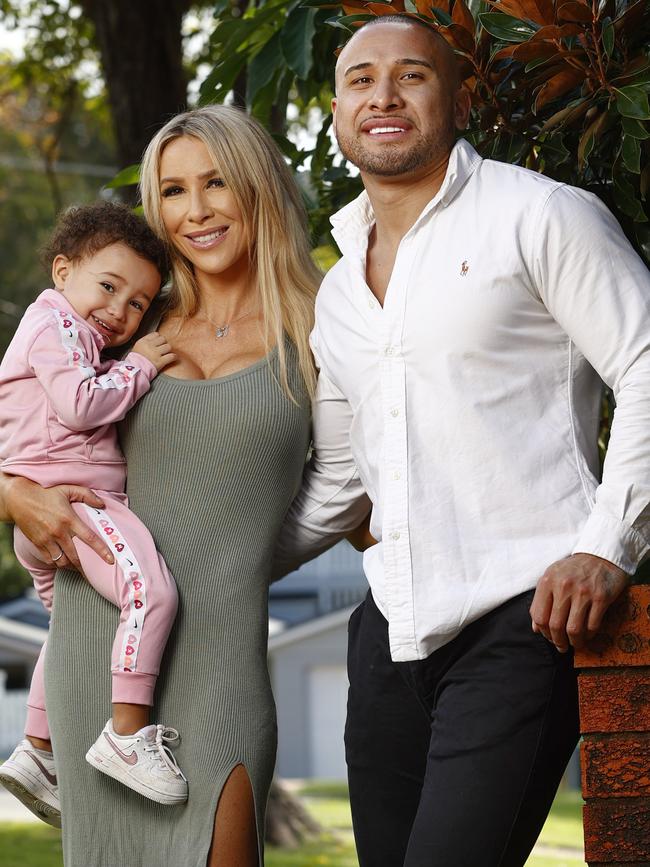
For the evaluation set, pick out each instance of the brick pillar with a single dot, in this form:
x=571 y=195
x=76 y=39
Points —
x=614 y=682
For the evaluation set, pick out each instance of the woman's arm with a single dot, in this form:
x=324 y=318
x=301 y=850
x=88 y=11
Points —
x=44 y=515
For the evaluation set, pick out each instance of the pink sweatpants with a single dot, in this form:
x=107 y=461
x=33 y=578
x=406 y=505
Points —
x=139 y=583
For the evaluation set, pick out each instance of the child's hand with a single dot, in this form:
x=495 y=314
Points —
x=155 y=348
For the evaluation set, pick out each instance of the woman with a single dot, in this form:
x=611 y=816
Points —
x=215 y=453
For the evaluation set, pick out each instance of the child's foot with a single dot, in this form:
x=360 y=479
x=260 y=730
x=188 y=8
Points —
x=29 y=774
x=141 y=761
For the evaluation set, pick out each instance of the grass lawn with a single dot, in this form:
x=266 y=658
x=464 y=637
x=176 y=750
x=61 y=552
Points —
x=39 y=846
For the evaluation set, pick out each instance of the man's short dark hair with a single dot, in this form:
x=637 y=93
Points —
x=83 y=231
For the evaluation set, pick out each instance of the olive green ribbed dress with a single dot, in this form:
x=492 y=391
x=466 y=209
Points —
x=212 y=467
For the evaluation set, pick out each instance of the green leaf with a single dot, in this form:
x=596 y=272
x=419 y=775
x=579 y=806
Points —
x=221 y=80
x=631 y=153
x=626 y=200
x=507 y=27
x=346 y=22
x=632 y=102
x=441 y=16
x=297 y=38
x=635 y=128
x=539 y=62
x=608 y=37
x=263 y=66
x=128 y=176
x=642 y=231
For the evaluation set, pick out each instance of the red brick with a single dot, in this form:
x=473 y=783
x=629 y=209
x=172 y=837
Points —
x=617 y=830
x=616 y=766
x=615 y=701
x=624 y=638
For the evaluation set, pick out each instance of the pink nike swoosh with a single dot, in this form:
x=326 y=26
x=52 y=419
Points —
x=131 y=759
x=51 y=778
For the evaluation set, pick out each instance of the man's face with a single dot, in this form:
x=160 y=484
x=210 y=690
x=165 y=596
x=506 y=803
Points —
x=398 y=102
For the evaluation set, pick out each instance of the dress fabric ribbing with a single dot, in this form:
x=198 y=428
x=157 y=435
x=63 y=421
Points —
x=212 y=468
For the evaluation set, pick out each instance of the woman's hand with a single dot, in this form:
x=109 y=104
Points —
x=44 y=515
x=361 y=537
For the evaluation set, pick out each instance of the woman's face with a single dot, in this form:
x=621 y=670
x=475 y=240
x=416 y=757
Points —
x=200 y=213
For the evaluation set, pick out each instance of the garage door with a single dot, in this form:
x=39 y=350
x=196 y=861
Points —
x=328 y=693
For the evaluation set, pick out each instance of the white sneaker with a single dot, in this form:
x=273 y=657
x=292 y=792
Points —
x=141 y=761
x=30 y=775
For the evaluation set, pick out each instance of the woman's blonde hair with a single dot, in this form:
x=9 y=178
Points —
x=254 y=170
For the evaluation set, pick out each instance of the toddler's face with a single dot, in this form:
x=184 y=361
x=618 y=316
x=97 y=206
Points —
x=110 y=289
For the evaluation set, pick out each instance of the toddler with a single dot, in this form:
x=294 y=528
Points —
x=59 y=402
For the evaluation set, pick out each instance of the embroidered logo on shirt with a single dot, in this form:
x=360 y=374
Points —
x=464 y=268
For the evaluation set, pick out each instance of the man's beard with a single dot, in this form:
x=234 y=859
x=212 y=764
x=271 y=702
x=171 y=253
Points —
x=393 y=161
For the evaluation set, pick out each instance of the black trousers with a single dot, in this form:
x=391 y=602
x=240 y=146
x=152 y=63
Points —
x=454 y=760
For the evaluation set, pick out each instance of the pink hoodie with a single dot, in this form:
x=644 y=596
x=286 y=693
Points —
x=59 y=401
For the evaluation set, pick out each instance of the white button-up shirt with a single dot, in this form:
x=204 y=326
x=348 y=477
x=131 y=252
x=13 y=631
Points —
x=467 y=408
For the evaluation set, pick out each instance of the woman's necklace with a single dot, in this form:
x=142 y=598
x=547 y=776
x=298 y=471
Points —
x=223 y=330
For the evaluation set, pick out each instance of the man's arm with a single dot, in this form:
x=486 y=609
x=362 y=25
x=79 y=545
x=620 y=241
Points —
x=598 y=290
x=331 y=501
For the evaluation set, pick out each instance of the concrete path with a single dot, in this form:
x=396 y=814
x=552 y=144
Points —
x=11 y=810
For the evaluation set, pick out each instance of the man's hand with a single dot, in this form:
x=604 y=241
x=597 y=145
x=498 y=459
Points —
x=156 y=349
x=361 y=537
x=46 y=518
x=572 y=596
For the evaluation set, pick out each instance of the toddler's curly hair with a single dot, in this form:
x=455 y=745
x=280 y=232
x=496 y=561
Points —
x=85 y=230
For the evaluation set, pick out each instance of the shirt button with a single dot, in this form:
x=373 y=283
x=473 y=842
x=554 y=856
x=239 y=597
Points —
x=394 y=413
x=389 y=350
x=394 y=535
x=397 y=475
x=371 y=304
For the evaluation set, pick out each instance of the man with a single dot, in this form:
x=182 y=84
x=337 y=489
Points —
x=460 y=341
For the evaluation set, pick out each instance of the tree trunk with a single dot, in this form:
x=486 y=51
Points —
x=288 y=823
x=141 y=53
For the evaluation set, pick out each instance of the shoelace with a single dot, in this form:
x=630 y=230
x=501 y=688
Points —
x=166 y=735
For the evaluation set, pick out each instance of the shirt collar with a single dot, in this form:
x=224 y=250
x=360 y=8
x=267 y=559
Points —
x=351 y=225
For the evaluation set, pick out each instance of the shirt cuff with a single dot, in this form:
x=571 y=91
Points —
x=147 y=367
x=613 y=540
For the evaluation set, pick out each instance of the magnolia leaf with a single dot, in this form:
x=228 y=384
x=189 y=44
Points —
x=263 y=67
x=626 y=200
x=128 y=176
x=632 y=102
x=538 y=11
x=506 y=27
x=632 y=18
x=567 y=115
x=347 y=22
x=574 y=11
x=296 y=41
x=556 y=86
x=462 y=16
x=555 y=31
x=589 y=137
x=531 y=50
x=458 y=37
x=642 y=232
x=635 y=128
x=629 y=205
x=443 y=6
x=631 y=153
x=442 y=16
x=608 y=37
x=535 y=63
x=644 y=182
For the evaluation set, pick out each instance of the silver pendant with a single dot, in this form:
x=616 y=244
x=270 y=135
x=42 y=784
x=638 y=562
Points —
x=222 y=331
